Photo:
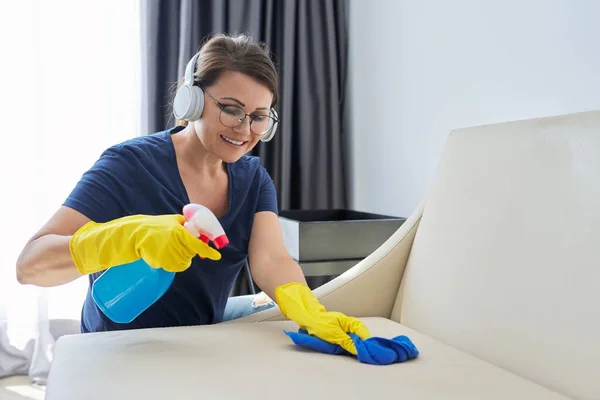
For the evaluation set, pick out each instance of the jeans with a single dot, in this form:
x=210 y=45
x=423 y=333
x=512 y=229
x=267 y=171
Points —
x=241 y=306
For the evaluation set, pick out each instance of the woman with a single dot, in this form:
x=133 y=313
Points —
x=129 y=204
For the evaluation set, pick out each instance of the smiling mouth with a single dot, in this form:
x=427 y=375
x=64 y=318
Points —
x=231 y=141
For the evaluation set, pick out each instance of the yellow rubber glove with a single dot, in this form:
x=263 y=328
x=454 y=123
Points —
x=297 y=302
x=160 y=240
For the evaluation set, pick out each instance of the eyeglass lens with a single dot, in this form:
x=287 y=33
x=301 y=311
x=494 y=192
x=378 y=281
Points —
x=232 y=116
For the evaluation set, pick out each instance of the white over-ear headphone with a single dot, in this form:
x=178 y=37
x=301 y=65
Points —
x=189 y=100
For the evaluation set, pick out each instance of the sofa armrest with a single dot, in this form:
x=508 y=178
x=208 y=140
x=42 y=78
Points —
x=370 y=288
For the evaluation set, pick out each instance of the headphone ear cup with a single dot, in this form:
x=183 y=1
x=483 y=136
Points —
x=271 y=134
x=196 y=104
x=188 y=103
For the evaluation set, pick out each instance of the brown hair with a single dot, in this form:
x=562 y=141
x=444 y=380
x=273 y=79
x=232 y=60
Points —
x=237 y=53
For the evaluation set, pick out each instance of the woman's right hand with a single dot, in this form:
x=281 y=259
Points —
x=161 y=240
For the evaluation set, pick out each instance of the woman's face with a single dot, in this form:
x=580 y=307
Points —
x=232 y=89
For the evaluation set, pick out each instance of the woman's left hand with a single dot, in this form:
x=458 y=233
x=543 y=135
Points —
x=298 y=303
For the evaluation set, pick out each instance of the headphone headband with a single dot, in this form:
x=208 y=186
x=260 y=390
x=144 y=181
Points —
x=189 y=70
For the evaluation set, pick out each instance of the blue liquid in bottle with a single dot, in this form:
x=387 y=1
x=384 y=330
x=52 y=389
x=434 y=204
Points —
x=125 y=291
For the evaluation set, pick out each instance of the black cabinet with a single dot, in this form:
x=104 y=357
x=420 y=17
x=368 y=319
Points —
x=328 y=242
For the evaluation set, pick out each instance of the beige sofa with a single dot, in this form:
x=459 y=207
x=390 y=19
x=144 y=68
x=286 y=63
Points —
x=495 y=277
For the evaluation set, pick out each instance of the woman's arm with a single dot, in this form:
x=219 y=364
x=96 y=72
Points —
x=46 y=260
x=270 y=263
x=281 y=278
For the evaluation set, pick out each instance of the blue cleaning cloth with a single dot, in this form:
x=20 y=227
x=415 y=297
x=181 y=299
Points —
x=374 y=350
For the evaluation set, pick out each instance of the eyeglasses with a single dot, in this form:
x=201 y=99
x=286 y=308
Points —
x=233 y=116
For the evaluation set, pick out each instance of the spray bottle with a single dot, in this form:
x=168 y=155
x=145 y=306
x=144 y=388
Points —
x=125 y=291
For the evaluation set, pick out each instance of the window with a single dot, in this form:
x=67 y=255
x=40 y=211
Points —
x=70 y=88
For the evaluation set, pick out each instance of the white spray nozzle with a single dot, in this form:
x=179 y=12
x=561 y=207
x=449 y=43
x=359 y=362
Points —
x=202 y=223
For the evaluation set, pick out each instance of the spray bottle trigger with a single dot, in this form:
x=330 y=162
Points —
x=205 y=239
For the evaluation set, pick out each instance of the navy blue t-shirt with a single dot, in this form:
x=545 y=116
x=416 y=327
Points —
x=141 y=176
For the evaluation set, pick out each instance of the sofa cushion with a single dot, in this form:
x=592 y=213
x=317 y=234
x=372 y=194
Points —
x=504 y=264
x=258 y=361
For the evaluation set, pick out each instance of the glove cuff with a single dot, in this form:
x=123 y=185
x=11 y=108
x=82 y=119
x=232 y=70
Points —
x=295 y=297
x=82 y=262
x=293 y=289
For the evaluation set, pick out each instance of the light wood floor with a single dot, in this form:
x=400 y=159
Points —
x=20 y=388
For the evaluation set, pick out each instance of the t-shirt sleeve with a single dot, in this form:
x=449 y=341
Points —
x=101 y=192
x=267 y=197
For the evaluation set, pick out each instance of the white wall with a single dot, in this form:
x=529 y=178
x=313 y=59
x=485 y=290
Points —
x=420 y=68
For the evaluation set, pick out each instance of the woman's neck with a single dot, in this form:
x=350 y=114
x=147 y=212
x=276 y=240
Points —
x=194 y=155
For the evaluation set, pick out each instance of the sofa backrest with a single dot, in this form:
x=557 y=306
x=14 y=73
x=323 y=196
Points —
x=505 y=264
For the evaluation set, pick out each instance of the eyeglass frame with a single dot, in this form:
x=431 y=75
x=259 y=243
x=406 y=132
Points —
x=222 y=107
